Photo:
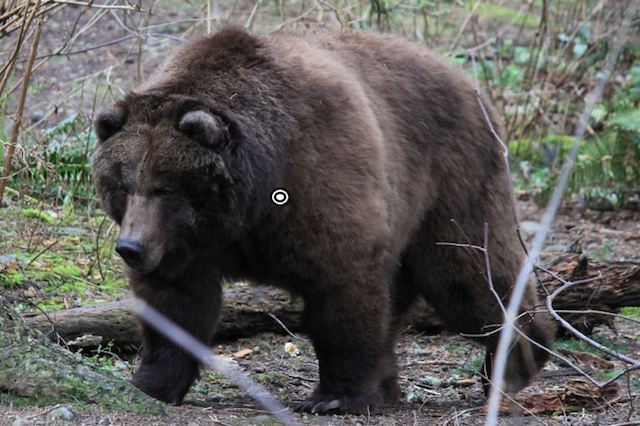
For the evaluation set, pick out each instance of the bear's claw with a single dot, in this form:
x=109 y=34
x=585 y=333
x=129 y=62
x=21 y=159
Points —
x=318 y=404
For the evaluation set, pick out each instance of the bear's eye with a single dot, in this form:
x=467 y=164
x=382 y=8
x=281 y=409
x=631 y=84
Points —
x=205 y=128
x=109 y=121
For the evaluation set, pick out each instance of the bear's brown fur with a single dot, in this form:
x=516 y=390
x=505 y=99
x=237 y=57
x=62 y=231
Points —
x=384 y=152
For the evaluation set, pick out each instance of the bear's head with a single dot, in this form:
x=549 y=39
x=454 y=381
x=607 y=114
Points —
x=169 y=170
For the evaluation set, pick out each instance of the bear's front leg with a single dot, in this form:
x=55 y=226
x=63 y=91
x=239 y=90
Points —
x=349 y=328
x=166 y=372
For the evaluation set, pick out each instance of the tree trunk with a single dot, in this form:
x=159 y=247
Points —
x=32 y=366
x=246 y=309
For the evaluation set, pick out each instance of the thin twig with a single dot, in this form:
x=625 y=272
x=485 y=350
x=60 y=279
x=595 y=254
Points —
x=510 y=398
x=44 y=250
x=208 y=17
x=139 y=67
x=289 y=332
x=295 y=19
x=90 y=48
x=334 y=10
x=134 y=8
x=249 y=23
x=463 y=27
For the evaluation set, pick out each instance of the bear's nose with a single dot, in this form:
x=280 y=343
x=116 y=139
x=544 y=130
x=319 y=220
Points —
x=130 y=250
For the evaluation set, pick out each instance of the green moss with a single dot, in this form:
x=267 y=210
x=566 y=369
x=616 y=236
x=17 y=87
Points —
x=49 y=305
x=12 y=278
x=43 y=370
x=271 y=377
x=38 y=214
x=576 y=345
x=457 y=348
x=21 y=401
x=608 y=375
x=68 y=269
x=631 y=311
x=114 y=285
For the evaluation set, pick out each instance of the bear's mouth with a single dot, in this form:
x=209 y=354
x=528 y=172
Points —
x=140 y=266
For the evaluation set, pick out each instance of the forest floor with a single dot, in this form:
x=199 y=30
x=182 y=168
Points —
x=438 y=373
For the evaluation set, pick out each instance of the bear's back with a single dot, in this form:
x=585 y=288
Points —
x=437 y=145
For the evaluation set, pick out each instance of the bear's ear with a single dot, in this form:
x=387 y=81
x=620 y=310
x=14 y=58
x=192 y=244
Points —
x=204 y=127
x=108 y=121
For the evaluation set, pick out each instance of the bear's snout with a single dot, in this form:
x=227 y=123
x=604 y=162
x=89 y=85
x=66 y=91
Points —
x=131 y=251
x=145 y=232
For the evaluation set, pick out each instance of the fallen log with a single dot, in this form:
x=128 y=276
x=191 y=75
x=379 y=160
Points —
x=618 y=287
x=249 y=310
x=245 y=313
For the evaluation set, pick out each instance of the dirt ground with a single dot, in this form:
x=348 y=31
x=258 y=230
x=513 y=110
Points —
x=438 y=374
x=438 y=387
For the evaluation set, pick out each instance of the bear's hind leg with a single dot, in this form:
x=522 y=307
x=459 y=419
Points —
x=471 y=308
x=166 y=372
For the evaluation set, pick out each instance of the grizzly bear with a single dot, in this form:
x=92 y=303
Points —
x=380 y=150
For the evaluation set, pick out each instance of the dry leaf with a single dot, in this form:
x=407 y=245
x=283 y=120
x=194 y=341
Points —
x=291 y=349
x=578 y=394
x=242 y=353
x=590 y=360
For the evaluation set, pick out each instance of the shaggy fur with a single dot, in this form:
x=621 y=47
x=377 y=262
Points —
x=384 y=151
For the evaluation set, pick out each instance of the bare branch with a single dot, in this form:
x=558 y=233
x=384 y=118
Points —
x=580 y=335
x=99 y=6
x=284 y=327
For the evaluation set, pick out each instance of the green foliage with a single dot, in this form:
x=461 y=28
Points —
x=608 y=374
x=631 y=311
x=470 y=367
x=535 y=84
x=609 y=163
x=12 y=279
x=607 y=170
x=61 y=171
x=105 y=360
x=576 y=345
x=274 y=377
x=457 y=348
x=21 y=401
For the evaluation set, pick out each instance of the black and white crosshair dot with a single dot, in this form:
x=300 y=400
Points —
x=279 y=197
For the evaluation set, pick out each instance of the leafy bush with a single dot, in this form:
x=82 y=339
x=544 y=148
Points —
x=60 y=172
